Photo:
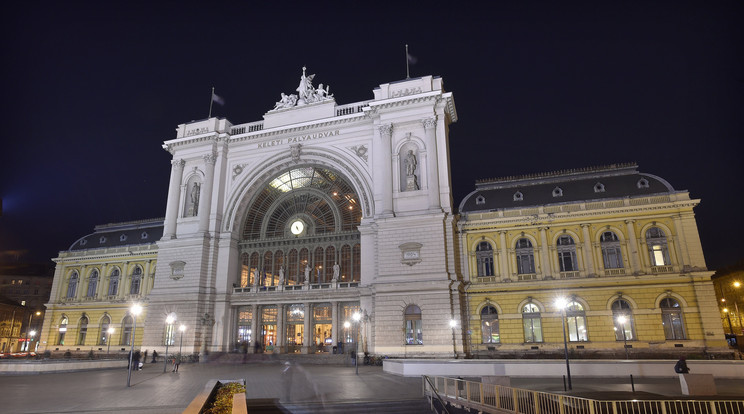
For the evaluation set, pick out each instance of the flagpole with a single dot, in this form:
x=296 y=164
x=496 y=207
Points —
x=408 y=75
x=211 y=100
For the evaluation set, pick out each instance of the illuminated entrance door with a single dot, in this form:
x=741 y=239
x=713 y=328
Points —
x=322 y=325
x=245 y=337
x=268 y=328
x=295 y=327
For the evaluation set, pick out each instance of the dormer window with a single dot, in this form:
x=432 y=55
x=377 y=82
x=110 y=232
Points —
x=557 y=192
x=83 y=242
x=480 y=200
x=102 y=240
x=144 y=235
x=123 y=237
x=642 y=183
x=599 y=188
x=518 y=196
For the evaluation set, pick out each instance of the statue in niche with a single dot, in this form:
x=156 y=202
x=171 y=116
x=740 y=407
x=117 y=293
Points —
x=195 y=190
x=281 y=275
x=336 y=271
x=411 y=163
x=307 y=273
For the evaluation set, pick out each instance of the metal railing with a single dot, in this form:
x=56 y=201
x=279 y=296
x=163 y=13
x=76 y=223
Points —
x=492 y=398
x=428 y=385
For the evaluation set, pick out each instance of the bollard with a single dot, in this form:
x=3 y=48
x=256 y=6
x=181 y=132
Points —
x=632 y=384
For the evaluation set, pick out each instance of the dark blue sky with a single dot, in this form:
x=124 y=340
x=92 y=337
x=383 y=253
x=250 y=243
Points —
x=91 y=90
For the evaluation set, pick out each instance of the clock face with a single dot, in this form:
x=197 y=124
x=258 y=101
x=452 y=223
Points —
x=297 y=227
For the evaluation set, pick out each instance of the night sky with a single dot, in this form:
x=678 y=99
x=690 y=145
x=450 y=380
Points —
x=90 y=92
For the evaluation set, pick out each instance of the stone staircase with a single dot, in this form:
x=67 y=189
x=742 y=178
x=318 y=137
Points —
x=417 y=406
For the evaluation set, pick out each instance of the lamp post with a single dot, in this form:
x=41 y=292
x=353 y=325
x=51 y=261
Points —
x=453 y=325
x=357 y=317
x=181 y=328
x=169 y=325
x=108 y=339
x=737 y=285
x=31 y=334
x=135 y=310
x=622 y=320
x=28 y=328
x=561 y=303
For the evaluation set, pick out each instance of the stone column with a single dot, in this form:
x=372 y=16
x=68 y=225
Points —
x=545 y=253
x=334 y=324
x=205 y=198
x=432 y=164
x=386 y=152
x=254 y=329
x=504 y=262
x=280 y=330
x=588 y=254
x=174 y=195
x=307 y=340
x=633 y=247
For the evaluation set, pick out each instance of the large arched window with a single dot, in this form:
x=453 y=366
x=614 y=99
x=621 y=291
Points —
x=62 y=330
x=114 y=283
x=414 y=334
x=611 y=254
x=532 y=323
x=576 y=322
x=567 y=254
x=92 y=284
x=104 y=333
x=72 y=285
x=126 y=330
x=136 y=280
x=622 y=316
x=484 y=257
x=657 y=247
x=490 y=325
x=671 y=318
x=82 y=330
x=525 y=257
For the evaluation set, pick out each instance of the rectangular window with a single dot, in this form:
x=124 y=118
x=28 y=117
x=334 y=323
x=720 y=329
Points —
x=658 y=255
x=577 y=328
x=414 y=336
x=532 y=329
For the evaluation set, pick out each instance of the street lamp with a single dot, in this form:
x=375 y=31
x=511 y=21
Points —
x=453 y=325
x=108 y=339
x=169 y=325
x=28 y=328
x=31 y=334
x=135 y=310
x=622 y=319
x=561 y=304
x=737 y=285
x=357 y=317
x=181 y=328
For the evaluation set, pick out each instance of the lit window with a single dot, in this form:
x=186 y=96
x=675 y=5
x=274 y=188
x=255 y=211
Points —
x=567 y=254
x=623 y=320
x=532 y=322
x=657 y=247
x=576 y=322
x=414 y=336
x=525 y=257
x=671 y=319
x=490 y=325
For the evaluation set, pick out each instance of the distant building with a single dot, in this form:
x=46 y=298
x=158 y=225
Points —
x=621 y=247
x=326 y=225
x=11 y=323
x=28 y=285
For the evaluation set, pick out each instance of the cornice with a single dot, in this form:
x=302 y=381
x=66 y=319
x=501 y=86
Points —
x=196 y=139
x=542 y=219
x=345 y=119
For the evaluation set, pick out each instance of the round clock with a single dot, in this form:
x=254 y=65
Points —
x=297 y=227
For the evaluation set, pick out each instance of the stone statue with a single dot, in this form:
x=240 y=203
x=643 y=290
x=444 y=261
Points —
x=255 y=279
x=195 y=190
x=322 y=93
x=281 y=275
x=287 y=101
x=410 y=163
x=305 y=90
x=336 y=271
x=307 y=273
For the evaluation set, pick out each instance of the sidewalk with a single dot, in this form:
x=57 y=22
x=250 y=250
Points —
x=153 y=391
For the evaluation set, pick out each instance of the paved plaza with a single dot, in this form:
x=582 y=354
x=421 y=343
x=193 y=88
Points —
x=153 y=391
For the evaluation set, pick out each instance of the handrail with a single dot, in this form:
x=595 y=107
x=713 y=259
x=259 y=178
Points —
x=433 y=388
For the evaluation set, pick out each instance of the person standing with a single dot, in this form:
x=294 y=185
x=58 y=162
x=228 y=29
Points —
x=176 y=362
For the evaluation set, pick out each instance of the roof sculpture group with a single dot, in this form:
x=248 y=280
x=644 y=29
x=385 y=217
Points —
x=306 y=93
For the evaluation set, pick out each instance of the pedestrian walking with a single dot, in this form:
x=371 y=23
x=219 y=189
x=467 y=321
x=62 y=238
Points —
x=681 y=366
x=154 y=356
x=136 y=360
x=176 y=362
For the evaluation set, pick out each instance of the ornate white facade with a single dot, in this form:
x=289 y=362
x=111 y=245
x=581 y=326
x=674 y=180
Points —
x=278 y=231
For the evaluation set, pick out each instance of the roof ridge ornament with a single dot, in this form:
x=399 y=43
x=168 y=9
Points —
x=306 y=93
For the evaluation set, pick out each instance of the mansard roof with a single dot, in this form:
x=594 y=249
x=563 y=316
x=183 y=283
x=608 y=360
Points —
x=121 y=234
x=560 y=187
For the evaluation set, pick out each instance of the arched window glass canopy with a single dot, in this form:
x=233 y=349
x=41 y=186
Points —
x=310 y=210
